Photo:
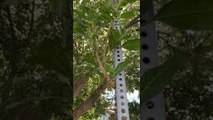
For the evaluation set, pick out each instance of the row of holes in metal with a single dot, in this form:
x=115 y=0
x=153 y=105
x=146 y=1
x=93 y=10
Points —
x=121 y=90
x=146 y=60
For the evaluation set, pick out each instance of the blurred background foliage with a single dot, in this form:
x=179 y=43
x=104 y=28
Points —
x=189 y=92
x=35 y=55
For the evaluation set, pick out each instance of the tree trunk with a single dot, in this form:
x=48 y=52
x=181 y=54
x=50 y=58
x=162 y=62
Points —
x=89 y=102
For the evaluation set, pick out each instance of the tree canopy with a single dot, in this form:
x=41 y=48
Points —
x=94 y=41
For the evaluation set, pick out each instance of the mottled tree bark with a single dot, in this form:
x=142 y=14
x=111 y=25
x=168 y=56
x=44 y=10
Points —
x=79 y=85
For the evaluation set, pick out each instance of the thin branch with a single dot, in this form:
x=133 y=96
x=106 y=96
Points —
x=105 y=42
x=106 y=75
x=133 y=22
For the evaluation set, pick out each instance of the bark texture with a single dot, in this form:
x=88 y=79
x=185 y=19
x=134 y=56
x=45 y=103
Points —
x=79 y=85
x=89 y=102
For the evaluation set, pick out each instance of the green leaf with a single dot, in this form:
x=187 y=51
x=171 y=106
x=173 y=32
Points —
x=114 y=38
x=89 y=57
x=155 y=79
x=85 y=1
x=132 y=44
x=121 y=66
x=99 y=73
x=187 y=14
x=109 y=69
x=128 y=15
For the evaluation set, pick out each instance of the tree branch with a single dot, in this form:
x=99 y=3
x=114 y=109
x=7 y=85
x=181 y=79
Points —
x=106 y=75
x=89 y=102
x=79 y=85
x=133 y=22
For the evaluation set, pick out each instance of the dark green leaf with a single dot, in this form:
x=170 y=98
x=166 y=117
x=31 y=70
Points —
x=114 y=38
x=155 y=79
x=89 y=57
x=128 y=15
x=188 y=14
x=132 y=44
x=99 y=73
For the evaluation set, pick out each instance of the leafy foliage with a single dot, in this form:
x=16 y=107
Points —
x=132 y=44
x=93 y=30
x=187 y=14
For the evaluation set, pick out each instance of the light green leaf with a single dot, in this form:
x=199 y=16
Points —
x=121 y=66
x=132 y=44
x=187 y=14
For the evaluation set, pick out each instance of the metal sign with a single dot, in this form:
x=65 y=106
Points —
x=154 y=108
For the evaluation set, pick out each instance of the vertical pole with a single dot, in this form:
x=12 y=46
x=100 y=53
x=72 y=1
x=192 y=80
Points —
x=122 y=110
x=121 y=102
x=154 y=108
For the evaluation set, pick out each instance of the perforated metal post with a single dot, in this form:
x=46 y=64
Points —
x=154 y=108
x=122 y=111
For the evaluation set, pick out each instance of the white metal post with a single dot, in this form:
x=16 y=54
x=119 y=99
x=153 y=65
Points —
x=122 y=110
